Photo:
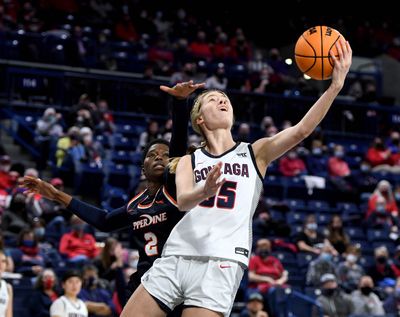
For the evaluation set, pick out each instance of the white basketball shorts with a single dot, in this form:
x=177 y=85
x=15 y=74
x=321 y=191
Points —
x=194 y=281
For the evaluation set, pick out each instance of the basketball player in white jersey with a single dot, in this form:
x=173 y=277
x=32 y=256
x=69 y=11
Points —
x=69 y=305
x=6 y=291
x=219 y=185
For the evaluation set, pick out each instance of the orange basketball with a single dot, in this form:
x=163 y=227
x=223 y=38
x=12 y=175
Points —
x=312 y=51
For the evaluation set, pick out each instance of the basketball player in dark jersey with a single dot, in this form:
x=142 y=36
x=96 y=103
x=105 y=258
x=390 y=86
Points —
x=152 y=213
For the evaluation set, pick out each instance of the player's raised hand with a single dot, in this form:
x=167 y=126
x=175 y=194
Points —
x=34 y=185
x=341 y=64
x=182 y=90
x=212 y=184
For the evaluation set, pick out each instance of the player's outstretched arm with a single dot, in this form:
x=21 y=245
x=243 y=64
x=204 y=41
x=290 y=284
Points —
x=189 y=197
x=268 y=149
x=180 y=115
x=97 y=217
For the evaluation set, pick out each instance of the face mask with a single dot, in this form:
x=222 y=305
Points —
x=28 y=243
x=328 y=291
x=381 y=259
x=327 y=257
x=48 y=284
x=366 y=290
x=263 y=253
x=379 y=146
x=134 y=263
x=317 y=151
x=365 y=168
x=292 y=155
x=380 y=209
x=79 y=227
x=339 y=154
x=351 y=258
x=312 y=226
x=91 y=281
x=39 y=232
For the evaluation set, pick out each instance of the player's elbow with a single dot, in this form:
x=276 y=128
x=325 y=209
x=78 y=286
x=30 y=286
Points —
x=303 y=132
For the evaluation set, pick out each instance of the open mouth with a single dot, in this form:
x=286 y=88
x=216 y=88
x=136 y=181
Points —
x=223 y=109
x=158 y=165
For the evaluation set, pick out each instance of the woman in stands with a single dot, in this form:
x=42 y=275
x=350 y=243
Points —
x=6 y=291
x=152 y=213
x=205 y=255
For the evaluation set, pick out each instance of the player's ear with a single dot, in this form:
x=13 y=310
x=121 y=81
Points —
x=199 y=120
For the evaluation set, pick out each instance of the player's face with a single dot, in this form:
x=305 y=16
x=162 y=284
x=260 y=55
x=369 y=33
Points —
x=155 y=162
x=216 y=111
x=72 y=286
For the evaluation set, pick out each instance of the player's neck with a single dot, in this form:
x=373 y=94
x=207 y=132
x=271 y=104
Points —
x=219 y=141
x=152 y=188
x=70 y=297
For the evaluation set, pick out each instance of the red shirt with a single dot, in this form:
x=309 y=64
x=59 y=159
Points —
x=377 y=157
x=391 y=205
x=291 y=167
x=338 y=167
x=270 y=266
x=72 y=245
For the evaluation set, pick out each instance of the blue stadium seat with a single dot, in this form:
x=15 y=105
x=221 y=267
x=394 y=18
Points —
x=295 y=203
x=375 y=235
x=118 y=176
x=323 y=219
x=347 y=207
x=303 y=259
x=318 y=205
x=355 y=233
x=295 y=217
x=121 y=157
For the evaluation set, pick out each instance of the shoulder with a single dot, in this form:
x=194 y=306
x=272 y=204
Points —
x=57 y=306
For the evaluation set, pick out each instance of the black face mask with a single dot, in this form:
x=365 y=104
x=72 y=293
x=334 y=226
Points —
x=263 y=253
x=90 y=282
x=366 y=290
x=328 y=292
x=381 y=260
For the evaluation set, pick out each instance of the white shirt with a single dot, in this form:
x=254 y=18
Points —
x=63 y=307
x=4 y=298
x=221 y=227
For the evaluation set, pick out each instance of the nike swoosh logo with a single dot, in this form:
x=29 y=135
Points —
x=224 y=266
x=159 y=201
x=199 y=163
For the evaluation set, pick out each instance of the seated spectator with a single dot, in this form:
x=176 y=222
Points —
x=69 y=304
x=48 y=126
x=333 y=301
x=76 y=245
x=336 y=235
x=265 y=270
x=44 y=295
x=264 y=226
x=317 y=161
x=110 y=259
x=391 y=304
x=291 y=165
x=339 y=170
x=310 y=240
x=64 y=143
x=321 y=265
x=149 y=135
x=365 y=301
x=381 y=269
x=348 y=271
x=363 y=180
x=98 y=299
x=396 y=262
x=31 y=262
x=254 y=307
x=10 y=261
x=383 y=189
x=200 y=48
x=5 y=178
x=380 y=218
x=15 y=218
x=218 y=80
x=378 y=156
x=125 y=30
x=50 y=208
x=187 y=73
x=243 y=133
x=106 y=119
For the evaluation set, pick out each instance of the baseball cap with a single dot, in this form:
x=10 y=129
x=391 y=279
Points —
x=4 y=159
x=255 y=296
x=56 y=181
x=327 y=277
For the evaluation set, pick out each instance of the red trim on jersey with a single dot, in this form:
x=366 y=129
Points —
x=169 y=197
x=140 y=206
x=136 y=197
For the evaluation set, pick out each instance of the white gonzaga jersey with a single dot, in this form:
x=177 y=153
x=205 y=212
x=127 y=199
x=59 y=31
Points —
x=221 y=226
x=64 y=307
x=4 y=298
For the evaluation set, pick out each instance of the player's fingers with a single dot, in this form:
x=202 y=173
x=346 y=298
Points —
x=349 y=47
x=220 y=183
x=166 y=88
x=339 y=49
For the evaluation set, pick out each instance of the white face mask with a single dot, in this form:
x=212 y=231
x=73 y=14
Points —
x=133 y=263
x=351 y=258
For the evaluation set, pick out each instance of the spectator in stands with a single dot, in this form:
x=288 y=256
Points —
x=94 y=152
x=391 y=304
x=64 y=143
x=50 y=208
x=254 y=306
x=187 y=73
x=365 y=301
x=125 y=29
x=241 y=49
x=333 y=301
x=262 y=81
x=166 y=131
x=200 y=48
x=48 y=125
x=339 y=170
x=5 y=178
x=31 y=262
x=348 y=271
x=364 y=181
x=149 y=135
x=110 y=259
x=6 y=294
x=106 y=119
x=218 y=80
x=243 y=133
x=222 y=51
x=336 y=235
x=378 y=156
x=97 y=298
x=310 y=240
x=69 y=304
x=10 y=261
x=383 y=189
x=393 y=142
x=76 y=245
x=265 y=270
x=77 y=49
x=292 y=165
x=44 y=295
x=380 y=218
x=396 y=262
x=264 y=225
x=381 y=269
x=321 y=265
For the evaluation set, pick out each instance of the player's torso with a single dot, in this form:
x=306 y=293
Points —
x=4 y=297
x=152 y=219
